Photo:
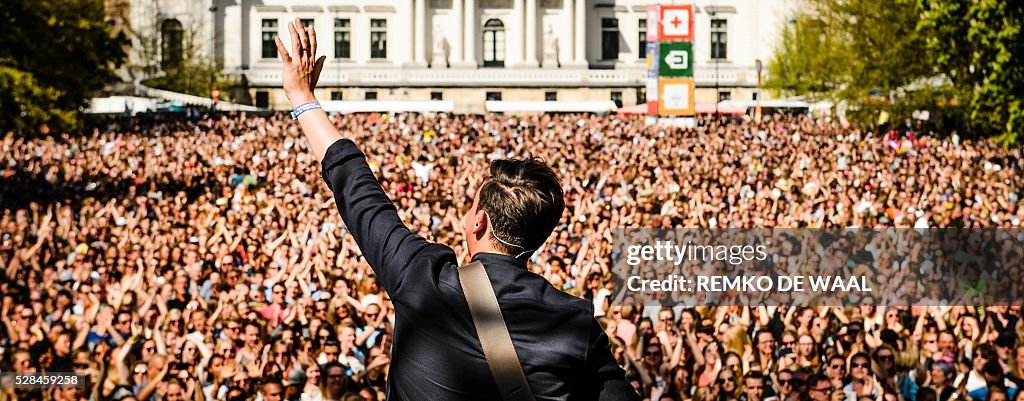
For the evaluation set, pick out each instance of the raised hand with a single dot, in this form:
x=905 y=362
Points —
x=301 y=68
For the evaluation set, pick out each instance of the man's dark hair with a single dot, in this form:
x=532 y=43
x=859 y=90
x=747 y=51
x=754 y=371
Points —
x=816 y=378
x=926 y=394
x=328 y=366
x=271 y=381
x=235 y=394
x=996 y=389
x=331 y=342
x=253 y=323
x=524 y=201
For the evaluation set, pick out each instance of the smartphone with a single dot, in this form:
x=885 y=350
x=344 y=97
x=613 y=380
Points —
x=784 y=352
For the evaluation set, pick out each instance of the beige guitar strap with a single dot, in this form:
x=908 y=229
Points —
x=493 y=334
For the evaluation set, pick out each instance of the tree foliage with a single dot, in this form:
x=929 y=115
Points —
x=799 y=66
x=25 y=102
x=854 y=51
x=961 y=57
x=54 y=54
x=192 y=77
x=979 y=45
x=191 y=71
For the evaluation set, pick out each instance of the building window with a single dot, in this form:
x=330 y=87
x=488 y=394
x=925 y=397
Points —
x=262 y=99
x=617 y=98
x=342 y=38
x=642 y=38
x=378 y=38
x=719 y=33
x=494 y=96
x=550 y=96
x=371 y=95
x=754 y=96
x=641 y=96
x=724 y=95
x=171 y=36
x=609 y=38
x=306 y=22
x=436 y=96
x=267 y=39
x=494 y=43
x=335 y=95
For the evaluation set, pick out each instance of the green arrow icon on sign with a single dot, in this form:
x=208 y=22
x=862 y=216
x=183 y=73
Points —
x=676 y=59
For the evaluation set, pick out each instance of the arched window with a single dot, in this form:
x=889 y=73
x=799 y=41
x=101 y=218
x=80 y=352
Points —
x=171 y=36
x=494 y=43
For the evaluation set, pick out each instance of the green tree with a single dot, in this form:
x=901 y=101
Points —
x=979 y=46
x=810 y=60
x=963 y=57
x=858 y=52
x=54 y=54
x=182 y=66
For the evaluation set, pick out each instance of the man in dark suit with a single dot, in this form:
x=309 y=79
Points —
x=436 y=353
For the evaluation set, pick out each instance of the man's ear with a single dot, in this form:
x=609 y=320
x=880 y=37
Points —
x=480 y=225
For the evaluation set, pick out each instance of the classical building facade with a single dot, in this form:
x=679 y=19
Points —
x=465 y=51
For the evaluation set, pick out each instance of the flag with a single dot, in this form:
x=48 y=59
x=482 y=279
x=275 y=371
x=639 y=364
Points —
x=883 y=117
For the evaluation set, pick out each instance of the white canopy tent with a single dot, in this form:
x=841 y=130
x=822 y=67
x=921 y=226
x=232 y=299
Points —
x=593 y=106
x=388 y=106
x=186 y=99
x=768 y=103
x=120 y=105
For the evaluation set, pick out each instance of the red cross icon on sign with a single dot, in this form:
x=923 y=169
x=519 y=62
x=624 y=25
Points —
x=676 y=23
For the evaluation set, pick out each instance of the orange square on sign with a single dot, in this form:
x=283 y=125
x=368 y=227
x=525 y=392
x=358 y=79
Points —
x=675 y=24
x=675 y=96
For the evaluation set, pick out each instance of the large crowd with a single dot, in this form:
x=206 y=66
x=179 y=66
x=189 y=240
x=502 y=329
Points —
x=172 y=259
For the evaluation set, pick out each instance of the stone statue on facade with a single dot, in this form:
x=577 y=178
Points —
x=439 y=58
x=550 y=48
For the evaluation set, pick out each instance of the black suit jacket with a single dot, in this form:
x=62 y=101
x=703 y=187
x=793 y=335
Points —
x=436 y=354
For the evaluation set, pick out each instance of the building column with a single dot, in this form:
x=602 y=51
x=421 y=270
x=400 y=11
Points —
x=455 y=41
x=530 y=59
x=580 y=24
x=470 y=26
x=234 y=40
x=420 y=29
x=567 y=43
x=514 y=57
x=409 y=53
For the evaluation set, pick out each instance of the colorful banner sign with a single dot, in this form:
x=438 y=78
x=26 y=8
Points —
x=652 y=24
x=675 y=23
x=651 y=55
x=675 y=59
x=675 y=96
x=670 y=84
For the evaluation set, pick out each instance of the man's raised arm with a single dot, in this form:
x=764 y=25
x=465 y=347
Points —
x=300 y=74
x=369 y=214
